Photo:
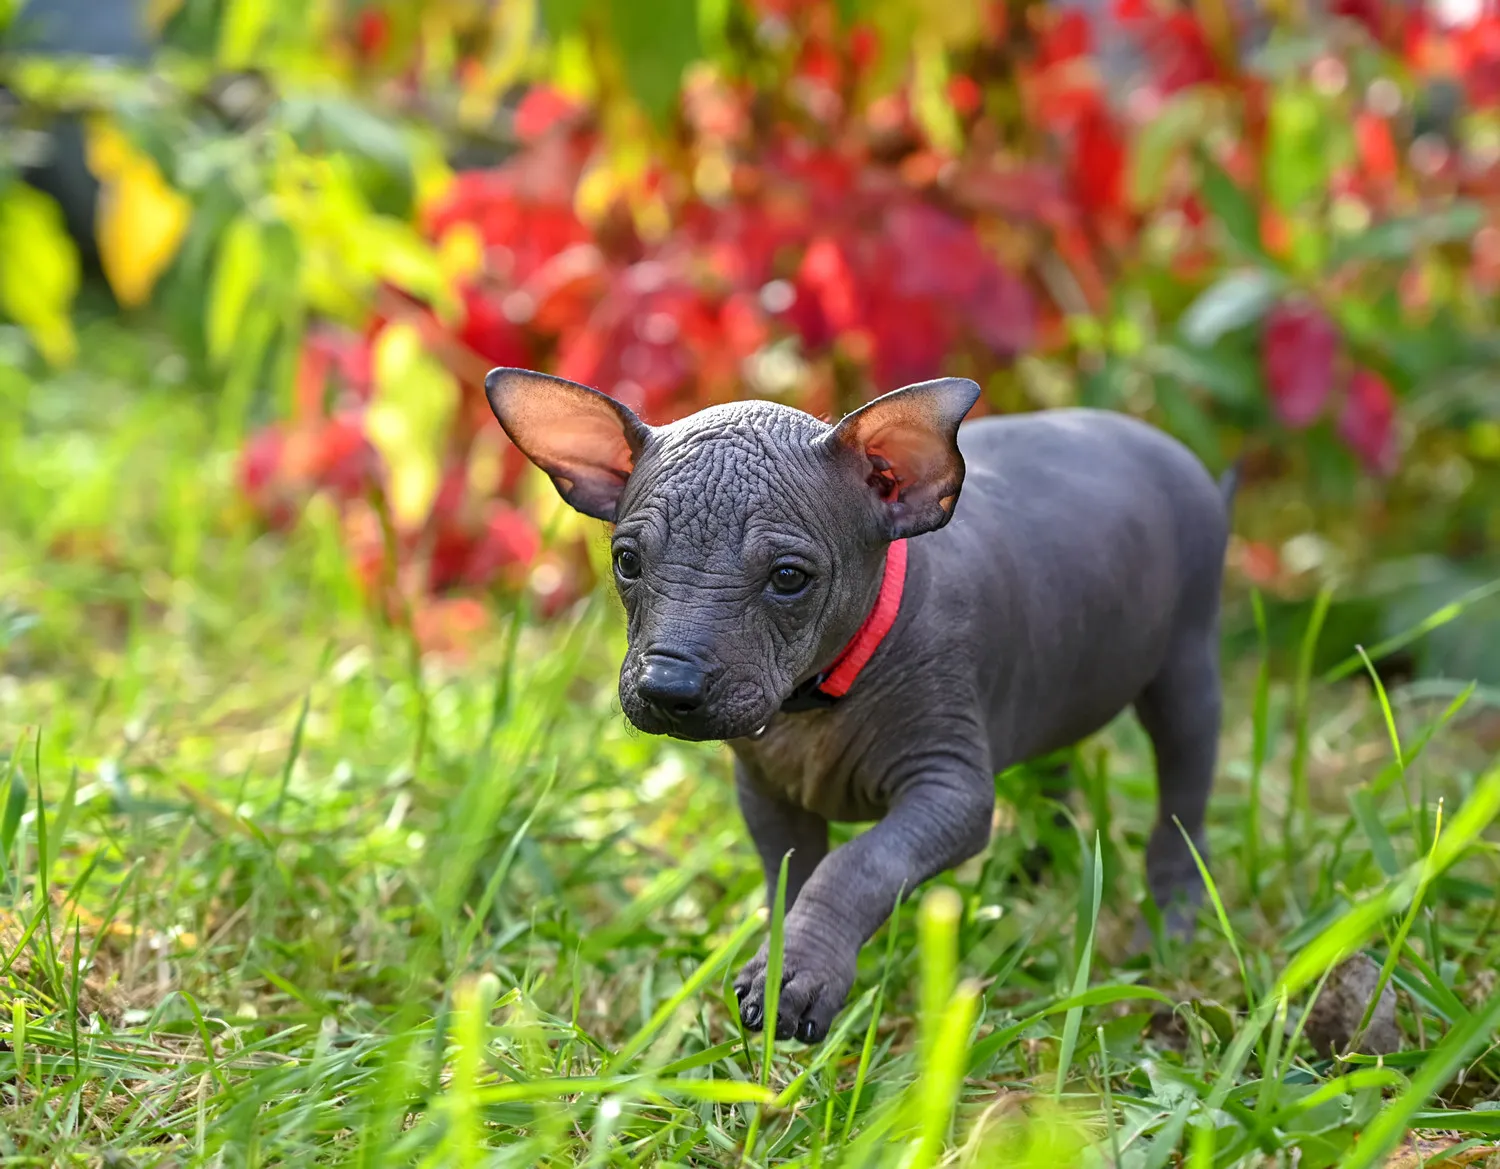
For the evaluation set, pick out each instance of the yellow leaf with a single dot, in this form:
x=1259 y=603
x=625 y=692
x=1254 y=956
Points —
x=240 y=31
x=930 y=93
x=461 y=251
x=141 y=221
x=409 y=418
x=572 y=68
x=236 y=278
x=38 y=270
x=431 y=173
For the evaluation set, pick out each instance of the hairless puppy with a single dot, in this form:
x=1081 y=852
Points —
x=873 y=649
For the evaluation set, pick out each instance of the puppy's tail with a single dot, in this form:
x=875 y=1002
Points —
x=1229 y=483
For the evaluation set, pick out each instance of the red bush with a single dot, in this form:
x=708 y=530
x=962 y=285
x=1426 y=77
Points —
x=811 y=244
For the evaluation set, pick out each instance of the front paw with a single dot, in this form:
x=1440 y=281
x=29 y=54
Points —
x=815 y=981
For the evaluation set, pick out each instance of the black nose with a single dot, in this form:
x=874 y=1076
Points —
x=673 y=686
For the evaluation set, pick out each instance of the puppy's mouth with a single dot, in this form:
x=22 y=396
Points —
x=706 y=727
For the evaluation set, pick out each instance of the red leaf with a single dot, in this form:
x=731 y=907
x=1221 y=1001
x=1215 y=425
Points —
x=449 y=627
x=1260 y=563
x=1299 y=344
x=510 y=541
x=1098 y=162
x=540 y=110
x=937 y=254
x=1479 y=57
x=1067 y=39
x=965 y=95
x=1002 y=313
x=864 y=46
x=911 y=337
x=261 y=460
x=1368 y=421
x=744 y=324
x=1377 y=149
x=1183 y=57
x=372 y=33
x=1370 y=13
x=490 y=333
x=826 y=274
x=342 y=459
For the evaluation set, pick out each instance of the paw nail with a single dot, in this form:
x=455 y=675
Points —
x=750 y=1016
x=808 y=1032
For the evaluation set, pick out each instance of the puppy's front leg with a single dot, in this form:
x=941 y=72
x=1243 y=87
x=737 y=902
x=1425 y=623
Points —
x=778 y=828
x=936 y=821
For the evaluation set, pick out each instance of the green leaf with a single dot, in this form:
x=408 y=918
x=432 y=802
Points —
x=657 y=40
x=1479 y=1122
x=39 y=274
x=1397 y=239
x=1236 y=300
x=1296 y=158
x=1226 y=373
x=1233 y=209
x=16 y=798
x=1178 y=124
x=561 y=17
x=1370 y=822
x=1352 y=929
x=241 y=28
x=237 y=276
x=374 y=148
x=1443 y=1063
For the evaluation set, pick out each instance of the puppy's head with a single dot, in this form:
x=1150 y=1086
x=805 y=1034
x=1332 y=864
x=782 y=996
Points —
x=747 y=537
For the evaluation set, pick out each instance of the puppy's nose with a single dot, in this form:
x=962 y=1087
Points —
x=673 y=686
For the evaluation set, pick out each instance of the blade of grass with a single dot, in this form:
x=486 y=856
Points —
x=868 y=1048
x=1297 y=800
x=775 y=949
x=1220 y=913
x=691 y=986
x=1384 y=1133
x=292 y=754
x=1418 y=817
x=1351 y=929
x=1388 y=967
x=1434 y=620
x=942 y=1074
x=1088 y=925
x=1259 y=739
x=1227 y=1076
x=1111 y=1126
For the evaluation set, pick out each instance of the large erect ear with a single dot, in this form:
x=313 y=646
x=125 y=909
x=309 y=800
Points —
x=908 y=441
x=586 y=441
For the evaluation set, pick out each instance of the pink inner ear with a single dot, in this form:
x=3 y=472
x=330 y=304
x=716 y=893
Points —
x=901 y=455
x=883 y=478
x=591 y=439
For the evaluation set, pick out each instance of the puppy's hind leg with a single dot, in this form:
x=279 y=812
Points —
x=1180 y=710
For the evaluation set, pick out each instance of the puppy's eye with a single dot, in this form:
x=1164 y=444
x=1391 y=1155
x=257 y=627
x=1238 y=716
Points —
x=788 y=581
x=627 y=564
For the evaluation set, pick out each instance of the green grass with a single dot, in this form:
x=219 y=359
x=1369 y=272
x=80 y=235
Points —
x=269 y=896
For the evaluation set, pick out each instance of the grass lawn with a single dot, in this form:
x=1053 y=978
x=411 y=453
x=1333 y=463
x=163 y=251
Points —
x=269 y=895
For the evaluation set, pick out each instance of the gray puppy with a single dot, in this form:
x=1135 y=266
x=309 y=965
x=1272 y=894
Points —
x=775 y=598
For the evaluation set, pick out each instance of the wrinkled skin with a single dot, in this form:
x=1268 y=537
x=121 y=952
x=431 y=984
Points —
x=722 y=498
x=1079 y=577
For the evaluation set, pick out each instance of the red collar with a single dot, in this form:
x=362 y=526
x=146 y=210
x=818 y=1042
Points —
x=829 y=685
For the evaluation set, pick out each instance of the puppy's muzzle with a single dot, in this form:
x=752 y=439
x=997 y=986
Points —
x=675 y=689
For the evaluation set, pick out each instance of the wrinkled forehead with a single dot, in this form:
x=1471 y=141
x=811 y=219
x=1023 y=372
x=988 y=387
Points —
x=716 y=477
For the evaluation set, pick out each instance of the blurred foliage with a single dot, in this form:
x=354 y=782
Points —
x=1286 y=252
